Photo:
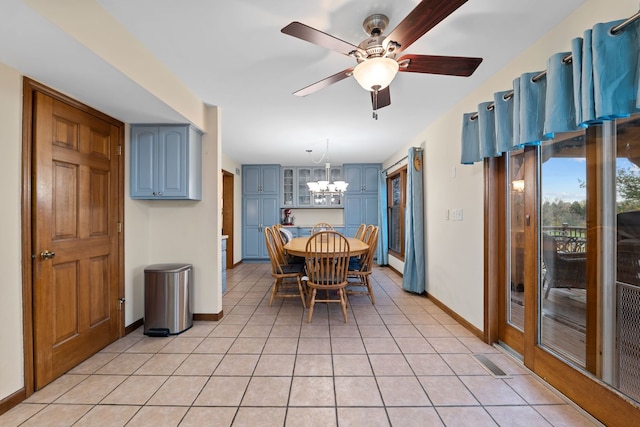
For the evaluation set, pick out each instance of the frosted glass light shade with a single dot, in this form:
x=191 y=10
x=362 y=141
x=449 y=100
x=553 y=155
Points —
x=375 y=72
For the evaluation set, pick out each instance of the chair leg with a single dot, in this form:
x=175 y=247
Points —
x=546 y=292
x=303 y=294
x=370 y=290
x=274 y=291
x=343 y=303
x=311 y=304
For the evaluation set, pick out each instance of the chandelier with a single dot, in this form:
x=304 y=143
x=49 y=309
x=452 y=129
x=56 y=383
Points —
x=327 y=188
x=319 y=189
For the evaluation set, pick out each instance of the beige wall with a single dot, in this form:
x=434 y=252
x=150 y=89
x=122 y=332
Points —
x=11 y=365
x=454 y=249
x=155 y=232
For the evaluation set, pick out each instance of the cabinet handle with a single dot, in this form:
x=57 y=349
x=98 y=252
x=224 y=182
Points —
x=157 y=193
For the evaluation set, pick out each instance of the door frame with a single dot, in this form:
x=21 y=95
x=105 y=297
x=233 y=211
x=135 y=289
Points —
x=228 y=213
x=29 y=88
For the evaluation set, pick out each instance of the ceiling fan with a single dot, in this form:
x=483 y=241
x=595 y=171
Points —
x=376 y=55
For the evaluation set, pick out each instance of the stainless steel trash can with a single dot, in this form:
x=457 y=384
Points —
x=167 y=299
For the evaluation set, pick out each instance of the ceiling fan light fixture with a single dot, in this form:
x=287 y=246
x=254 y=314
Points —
x=375 y=72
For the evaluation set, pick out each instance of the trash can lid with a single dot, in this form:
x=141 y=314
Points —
x=167 y=268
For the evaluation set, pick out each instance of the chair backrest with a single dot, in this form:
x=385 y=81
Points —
x=366 y=261
x=628 y=261
x=321 y=226
x=276 y=252
x=367 y=233
x=360 y=231
x=327 y=258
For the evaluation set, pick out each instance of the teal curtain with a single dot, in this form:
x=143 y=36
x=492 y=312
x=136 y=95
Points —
x=600 y=81
x=413 y=279
x=383 y=222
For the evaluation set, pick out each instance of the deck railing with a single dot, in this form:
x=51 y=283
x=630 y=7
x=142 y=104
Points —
x=568 y=238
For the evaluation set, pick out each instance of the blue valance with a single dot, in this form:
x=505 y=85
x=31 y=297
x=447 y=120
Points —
x=598 y=80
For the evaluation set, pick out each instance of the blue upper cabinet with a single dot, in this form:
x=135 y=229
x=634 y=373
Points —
x=261 y=179
x=362 y=177
x=361 y=204
x=166 y=162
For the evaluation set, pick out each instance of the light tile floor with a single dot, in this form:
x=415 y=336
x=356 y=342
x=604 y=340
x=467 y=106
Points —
x=402 y=362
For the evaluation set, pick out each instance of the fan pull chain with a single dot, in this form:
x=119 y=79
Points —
x=375 y=101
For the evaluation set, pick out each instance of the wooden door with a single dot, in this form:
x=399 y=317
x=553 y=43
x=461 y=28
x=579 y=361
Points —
x=227 y=214
x=75 y=236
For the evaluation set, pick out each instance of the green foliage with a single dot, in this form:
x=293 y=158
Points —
x=559 y=212
x=628 y=188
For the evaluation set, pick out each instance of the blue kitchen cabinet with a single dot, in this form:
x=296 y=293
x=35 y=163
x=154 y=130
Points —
x=304 y=231
x=362 y=177
x=361 y=198
x=166 y=162
x=261 y=179
x=260 y=208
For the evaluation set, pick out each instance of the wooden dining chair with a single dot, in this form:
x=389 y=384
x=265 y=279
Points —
x=327 y=264
x=281 y=241
x=287 y=278
x=360 y=231
x=359 y=275
x=321 y=226
x=366 y=233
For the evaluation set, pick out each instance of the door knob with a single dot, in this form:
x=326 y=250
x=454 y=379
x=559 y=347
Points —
x=47 y=254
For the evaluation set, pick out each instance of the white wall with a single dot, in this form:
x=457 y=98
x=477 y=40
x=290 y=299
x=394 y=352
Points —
x=454 y=249
x=11 y=360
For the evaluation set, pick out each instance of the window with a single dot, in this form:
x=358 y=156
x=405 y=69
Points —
x=396 y=190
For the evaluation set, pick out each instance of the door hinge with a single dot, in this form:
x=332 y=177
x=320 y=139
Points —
x=119 y=227
x=119 y=150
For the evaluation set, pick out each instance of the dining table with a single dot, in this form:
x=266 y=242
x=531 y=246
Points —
x=298 y=246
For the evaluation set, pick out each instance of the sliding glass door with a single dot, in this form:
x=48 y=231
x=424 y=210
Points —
x=568 y=287
x=563 y=247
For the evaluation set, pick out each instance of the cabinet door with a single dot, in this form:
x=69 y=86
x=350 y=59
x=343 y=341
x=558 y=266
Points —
x=271 y=179
x=304 y=196
x=144 y=146
x=370 y=178
x=269 y=217
x=304 y=231
x=251 y=179
x=353 y=175
x=251 y=233
x=288 y=186
x=172 y=162
x=353 y=211
x=370 y=209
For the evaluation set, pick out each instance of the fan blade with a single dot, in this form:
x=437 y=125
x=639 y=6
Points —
x=426 y=15
x=383 y=98
x=307 y=33
x=448 y=65
x=325 y=82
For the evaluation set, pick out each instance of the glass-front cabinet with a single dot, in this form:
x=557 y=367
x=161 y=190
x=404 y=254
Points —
x=295 y=192
x=288 y=186
x=304 y=196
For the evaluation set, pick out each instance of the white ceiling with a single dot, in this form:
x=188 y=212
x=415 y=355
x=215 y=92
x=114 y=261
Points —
x=233 y=55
